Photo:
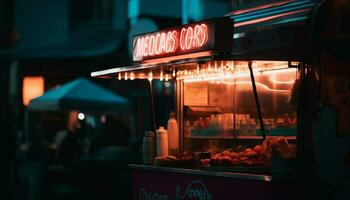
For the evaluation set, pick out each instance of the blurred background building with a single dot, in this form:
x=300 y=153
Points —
x=44 y=44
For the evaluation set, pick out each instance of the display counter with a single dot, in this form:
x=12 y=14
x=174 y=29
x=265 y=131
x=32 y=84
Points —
x=152 y=182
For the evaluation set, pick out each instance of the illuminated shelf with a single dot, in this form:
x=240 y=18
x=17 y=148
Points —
x=247 y=137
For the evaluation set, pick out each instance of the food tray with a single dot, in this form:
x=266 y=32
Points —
x=239 y=169
x=204 y=132
x=279 y=132
x=174 y=163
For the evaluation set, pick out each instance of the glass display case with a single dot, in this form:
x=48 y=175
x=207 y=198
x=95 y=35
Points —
x=219 y=112
x=230 y=112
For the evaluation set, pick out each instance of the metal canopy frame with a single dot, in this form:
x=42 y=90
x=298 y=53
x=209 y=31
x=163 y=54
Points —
x=168 y=63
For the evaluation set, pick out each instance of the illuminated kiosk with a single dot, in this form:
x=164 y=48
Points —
x=244 y=90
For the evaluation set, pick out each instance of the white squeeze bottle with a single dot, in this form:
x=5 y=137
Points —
x=162 y=142
x=173 y=134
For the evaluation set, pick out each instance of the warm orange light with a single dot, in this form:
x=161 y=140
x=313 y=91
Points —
x=150 y=76
x=32 y=87
x=132 y=76
x=258 y=85
x=161 y=77
x=240 y=70
x=178 y=57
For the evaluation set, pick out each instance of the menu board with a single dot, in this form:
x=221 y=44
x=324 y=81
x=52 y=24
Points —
x=196 y=94
x=221 y=95
x=336 y=91
x=338 y=24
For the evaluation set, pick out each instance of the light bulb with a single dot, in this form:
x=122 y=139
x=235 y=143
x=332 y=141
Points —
x=119 y=76
x=150 y=76
x=204 y=73
x=174 y=73
x=166 y=77
x=126 y=76
x=231 y=66
x=132 y=76
x=161 y=75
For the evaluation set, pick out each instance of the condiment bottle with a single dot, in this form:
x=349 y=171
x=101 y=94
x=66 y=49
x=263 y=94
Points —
x=148 y=150
x=187 y=129
x=173 y=134
x=252 y=127
x=162 y=142
x=243 y=127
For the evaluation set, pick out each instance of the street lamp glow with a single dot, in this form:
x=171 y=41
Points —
x=81 y=116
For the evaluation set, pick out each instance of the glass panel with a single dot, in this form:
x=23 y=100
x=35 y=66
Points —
x=274 y=89
x=220 y=113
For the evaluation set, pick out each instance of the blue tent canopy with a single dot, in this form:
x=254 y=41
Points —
x=80 y=94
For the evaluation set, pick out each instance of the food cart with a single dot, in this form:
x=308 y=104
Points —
x=245 y=99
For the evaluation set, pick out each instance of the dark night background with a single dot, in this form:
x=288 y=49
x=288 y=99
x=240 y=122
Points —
x=64 y=40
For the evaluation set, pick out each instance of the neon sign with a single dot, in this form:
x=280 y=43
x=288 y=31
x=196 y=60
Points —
x=191 y=38
x=156 y=44
x=195 y=190
x=181 y=40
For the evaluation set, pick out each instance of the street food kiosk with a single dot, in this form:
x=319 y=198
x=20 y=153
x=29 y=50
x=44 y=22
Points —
x=245 y=90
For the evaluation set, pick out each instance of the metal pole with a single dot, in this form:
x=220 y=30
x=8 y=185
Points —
x=25 y=136
x=153 y=107
x=256 y=97
x=235 y=110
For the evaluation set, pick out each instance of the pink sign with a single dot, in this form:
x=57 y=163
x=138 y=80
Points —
x=162 y=185
x=177 y=186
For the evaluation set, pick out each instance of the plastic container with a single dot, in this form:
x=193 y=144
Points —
x=173 y=134
x=162 y=144
x=187 y=129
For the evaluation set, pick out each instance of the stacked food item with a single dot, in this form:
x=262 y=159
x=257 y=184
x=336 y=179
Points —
x=183 y=159
x=259 y=155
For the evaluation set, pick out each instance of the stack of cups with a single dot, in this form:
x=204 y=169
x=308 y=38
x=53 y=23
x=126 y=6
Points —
x=148 y=150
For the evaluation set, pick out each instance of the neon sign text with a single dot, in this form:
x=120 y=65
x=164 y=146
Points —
x=169 y=42
x=156 y=44
x=212 y=35
x=196 y=37
x=195 y=190
x=145 y=195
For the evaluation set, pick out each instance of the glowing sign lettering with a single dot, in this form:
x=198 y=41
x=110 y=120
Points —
x=168 y=42
x=191 y=38
x=145 y=195
x=195 y=190
x=157 y=44
x=182 y=40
